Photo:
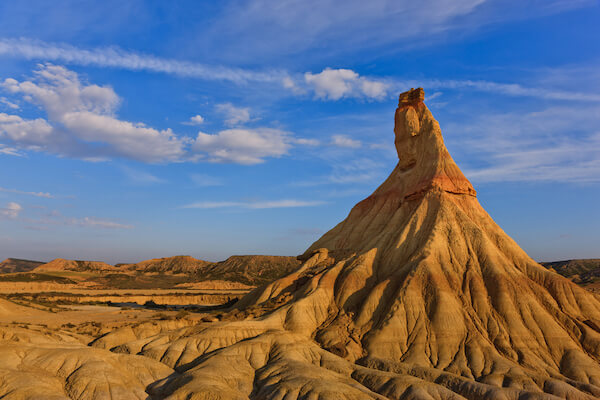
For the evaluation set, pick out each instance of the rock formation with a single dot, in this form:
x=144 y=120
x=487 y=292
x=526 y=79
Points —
x=417 y=294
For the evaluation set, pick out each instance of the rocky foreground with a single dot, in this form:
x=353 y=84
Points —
x=417 y=294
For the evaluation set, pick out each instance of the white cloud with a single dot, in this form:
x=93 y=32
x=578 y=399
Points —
x=59 y=91
x=254 y=205
x=196 y=120
x=11 y=210
x=243 y=146
x=81 y=121
x=234 y=115
x=33 y=133
x=334 y=84
x=345 y=141
x=36 y=194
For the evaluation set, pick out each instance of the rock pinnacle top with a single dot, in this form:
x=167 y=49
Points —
x=411 y=96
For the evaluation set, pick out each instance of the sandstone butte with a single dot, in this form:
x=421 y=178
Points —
x=417 y=294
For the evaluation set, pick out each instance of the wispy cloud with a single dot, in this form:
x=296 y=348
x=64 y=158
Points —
x=9 y=151
x=557 y=144
x=55 y=218
x=36 y=194
x=254 y=205
x=325 y=28
x=9 y=104
x=349 y=172
x=114 y=57
x=337 y=84
x=243 y=146
x=93 y=222
x=329 y=84
x=11 y=210
x=509 y=89
x=234 y=115
x=345 y=141
x=142 y=177
x=205 y=180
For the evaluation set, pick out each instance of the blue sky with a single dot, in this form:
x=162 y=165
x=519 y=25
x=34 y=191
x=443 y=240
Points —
x=139 y=129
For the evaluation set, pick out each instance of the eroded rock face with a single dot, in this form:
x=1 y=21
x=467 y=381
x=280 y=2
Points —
x=417 y=294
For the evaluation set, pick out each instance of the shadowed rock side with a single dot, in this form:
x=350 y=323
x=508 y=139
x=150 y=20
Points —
x=11 y=265
x=417 y=294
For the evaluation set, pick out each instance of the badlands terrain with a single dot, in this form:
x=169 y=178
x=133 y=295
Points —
x=417 y=294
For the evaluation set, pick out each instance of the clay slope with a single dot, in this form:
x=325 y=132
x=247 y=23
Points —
x=61 y=264
x=417 y=294
x=174 y=265
x=11 y=265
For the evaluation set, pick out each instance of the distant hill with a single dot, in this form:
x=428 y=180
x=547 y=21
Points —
x=585 y=272
x=252 y=270
x=175 y=265
x=61 y=264
x=12 y=265
x=249 y=270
